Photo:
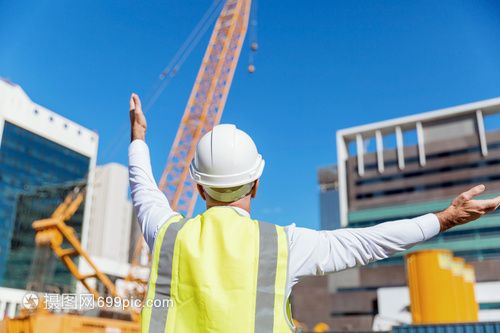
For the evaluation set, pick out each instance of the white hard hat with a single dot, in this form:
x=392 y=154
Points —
x=226 y=157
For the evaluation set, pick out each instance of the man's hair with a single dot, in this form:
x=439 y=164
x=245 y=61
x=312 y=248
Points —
x=229 y=194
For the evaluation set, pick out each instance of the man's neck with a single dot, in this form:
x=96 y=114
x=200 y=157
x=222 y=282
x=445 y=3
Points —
x=243 y=203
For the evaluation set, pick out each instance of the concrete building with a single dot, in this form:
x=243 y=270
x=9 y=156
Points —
x=112 y=225
x=111 y=214
x=42 y=155
x=402 y=168
x=328 y=198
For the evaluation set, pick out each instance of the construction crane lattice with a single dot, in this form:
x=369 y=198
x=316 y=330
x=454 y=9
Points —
x=206 y=103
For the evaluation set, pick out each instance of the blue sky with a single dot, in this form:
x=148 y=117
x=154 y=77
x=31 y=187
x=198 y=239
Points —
x=321 y=66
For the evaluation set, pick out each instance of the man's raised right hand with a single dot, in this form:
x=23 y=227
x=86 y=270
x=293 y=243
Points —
x=137 y=119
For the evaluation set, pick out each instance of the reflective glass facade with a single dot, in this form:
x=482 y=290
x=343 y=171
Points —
x=35 y=173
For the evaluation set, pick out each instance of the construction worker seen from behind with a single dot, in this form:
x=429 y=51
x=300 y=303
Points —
x=223 y=271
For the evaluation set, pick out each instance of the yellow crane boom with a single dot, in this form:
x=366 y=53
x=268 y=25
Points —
x=53 y=231
x=206 y=103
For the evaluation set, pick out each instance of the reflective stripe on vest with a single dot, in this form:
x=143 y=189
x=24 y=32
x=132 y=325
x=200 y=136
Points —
x=164 y=277
x=230 y=277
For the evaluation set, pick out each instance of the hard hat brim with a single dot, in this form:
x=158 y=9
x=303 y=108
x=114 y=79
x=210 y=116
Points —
x=223 y=181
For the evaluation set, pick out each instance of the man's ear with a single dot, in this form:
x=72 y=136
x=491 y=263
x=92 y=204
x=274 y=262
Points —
x=255 y=188
x=202 y=193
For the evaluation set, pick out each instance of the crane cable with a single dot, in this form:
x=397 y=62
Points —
x=166 y=75
x=253 y=36
x=181 y=55
x=169 y=72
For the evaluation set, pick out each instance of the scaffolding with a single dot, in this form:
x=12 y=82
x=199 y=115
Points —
x=31 y=267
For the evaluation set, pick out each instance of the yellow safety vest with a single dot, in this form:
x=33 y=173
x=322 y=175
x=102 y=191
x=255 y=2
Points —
x=218 y=272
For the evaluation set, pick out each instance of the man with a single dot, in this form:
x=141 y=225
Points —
x=224 y=271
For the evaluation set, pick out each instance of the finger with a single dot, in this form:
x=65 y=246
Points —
x=132 y=102
x=137 y=102
x=492 y=204
x=475 y=191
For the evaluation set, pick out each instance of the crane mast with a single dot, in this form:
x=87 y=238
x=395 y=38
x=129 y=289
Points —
x=206 y=103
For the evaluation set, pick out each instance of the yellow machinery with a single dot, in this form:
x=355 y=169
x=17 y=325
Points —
x=441 y=288
x=42 y=321
x=203 y=111
x=430 y=280
x=52 y=232
x=321 y=327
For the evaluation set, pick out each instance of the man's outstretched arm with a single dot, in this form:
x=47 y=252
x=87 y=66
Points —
x=320 y=252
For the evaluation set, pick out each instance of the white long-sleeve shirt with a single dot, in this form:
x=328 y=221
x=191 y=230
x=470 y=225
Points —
x=311 y=252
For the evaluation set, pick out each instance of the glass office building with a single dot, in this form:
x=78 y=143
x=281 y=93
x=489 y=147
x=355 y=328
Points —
x=42 y=157
x=28 y=164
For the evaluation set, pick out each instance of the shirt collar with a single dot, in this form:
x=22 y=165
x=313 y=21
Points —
x=238 y=210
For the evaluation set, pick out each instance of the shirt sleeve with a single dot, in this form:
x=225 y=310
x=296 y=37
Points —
x=151 y=205
x=322 y=252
